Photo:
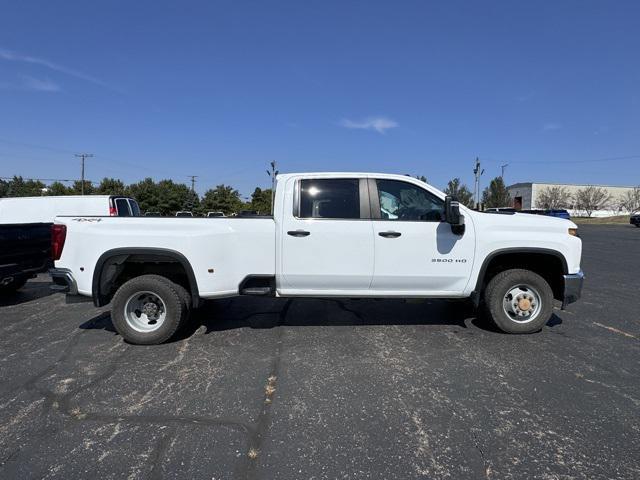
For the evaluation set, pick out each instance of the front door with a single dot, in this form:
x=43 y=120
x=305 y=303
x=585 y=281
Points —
x=416 y=253
x=326 y=238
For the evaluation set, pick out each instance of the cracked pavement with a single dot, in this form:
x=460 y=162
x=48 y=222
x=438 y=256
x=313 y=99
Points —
x=325 y=389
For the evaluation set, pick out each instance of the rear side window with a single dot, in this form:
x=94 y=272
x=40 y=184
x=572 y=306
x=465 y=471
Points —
x=330 y=198
x=135 y=209
x=122 y=205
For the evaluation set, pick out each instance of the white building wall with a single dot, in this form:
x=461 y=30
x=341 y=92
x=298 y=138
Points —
x=530 y=192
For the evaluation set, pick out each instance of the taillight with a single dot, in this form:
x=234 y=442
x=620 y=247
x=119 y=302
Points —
x=113 y=212
x=58 y=236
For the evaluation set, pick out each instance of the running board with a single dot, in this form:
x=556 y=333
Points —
x=256 y=291
x=258 y=285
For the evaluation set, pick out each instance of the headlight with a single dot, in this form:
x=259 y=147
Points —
x=573 y=232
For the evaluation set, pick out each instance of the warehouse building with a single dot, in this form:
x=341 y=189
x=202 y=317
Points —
x=524 y=196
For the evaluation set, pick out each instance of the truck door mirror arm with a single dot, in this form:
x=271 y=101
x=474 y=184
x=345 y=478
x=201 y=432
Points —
x=452 y=215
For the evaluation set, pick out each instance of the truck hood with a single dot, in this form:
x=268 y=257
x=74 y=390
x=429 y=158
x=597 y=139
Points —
x=523 y=221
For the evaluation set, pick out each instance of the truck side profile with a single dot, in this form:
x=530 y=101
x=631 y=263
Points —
x=331 y=235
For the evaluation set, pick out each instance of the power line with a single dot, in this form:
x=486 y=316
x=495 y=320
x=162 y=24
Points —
x=46 y=179
x=560 y=162
x=83 y=156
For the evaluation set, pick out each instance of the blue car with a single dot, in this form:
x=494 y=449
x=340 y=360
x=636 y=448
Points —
x=558 y=213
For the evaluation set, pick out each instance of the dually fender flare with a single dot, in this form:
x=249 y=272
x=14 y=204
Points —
x=98 y=299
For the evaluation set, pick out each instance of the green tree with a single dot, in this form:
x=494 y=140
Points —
x=173 y=197
x=76 y=189
x=111 y=186
x=459 y=190
x=496 y=194
x=58 y=188
x=223 y=198
x=147 y=194
x=261 y=201
x=4 y=188
x=18 y=187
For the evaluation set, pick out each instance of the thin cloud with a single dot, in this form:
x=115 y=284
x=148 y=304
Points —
x=378 y=124
x=10 y=56
x=40 y=85
x=548 y=127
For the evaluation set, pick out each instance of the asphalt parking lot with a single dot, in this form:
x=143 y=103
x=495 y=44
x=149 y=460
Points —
x=326 y=389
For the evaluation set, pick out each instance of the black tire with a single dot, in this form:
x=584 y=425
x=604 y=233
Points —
x=163 y=289
x=499 y=287
x=185 y=298
x=13 y=285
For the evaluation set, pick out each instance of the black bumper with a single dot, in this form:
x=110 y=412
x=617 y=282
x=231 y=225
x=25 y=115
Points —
x=635 y=220
x=572 y=288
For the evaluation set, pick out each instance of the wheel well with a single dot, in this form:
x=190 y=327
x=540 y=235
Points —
x=549 y=266
x=119 y=267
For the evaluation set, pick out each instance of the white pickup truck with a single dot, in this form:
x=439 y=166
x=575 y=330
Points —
x=332 y=235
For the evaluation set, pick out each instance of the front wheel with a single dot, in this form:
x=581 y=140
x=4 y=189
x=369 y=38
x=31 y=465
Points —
x=147 y=310
x=518 y=301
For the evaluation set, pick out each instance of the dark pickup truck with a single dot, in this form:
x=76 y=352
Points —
x=25 y=250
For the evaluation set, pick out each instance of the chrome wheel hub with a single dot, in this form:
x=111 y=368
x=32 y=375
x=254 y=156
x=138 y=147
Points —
x=145 y=312
x=522 y=303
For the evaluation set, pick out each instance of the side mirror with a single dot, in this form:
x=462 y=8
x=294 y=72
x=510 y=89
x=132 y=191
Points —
x=452 y=215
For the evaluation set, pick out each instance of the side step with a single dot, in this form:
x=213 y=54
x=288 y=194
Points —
x=260 y=285
x=256 y=291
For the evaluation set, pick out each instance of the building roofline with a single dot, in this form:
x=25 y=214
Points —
x=528 y=184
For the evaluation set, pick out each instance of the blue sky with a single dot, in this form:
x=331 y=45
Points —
x=219 y=89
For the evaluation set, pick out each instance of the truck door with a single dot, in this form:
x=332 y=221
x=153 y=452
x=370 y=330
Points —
x=326 y=239
x=415 y=250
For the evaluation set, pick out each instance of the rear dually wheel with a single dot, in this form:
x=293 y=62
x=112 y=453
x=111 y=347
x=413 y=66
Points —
x=148 y=310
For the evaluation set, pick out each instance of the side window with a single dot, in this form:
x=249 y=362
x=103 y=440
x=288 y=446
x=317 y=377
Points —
x=122 y=205
x=135 y=209
x=330 y=198
x=405 y=201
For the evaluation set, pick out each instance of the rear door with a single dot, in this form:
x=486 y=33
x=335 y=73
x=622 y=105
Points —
x=326 y=237
x=416 y=253
x=123 y=208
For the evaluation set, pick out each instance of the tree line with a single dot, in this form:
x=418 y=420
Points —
x=165 y=197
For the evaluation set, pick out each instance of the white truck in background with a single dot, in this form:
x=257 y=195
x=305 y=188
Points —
x=331 y=235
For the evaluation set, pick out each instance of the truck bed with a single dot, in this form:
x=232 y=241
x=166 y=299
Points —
x=222 y=251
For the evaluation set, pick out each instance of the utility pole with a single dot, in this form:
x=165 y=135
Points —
x=193 y=182
x=273 y=173
x=83 y=156
x=477 y=171
x=503 y=167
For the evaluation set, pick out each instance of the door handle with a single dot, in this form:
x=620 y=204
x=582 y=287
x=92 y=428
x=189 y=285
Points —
x=389 y=234
x=298 y=233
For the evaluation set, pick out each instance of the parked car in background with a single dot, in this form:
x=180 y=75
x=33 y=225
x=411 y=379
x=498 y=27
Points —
x=215 y=214
x=184 y=213
x=332 y=235
x=560 y=213
x=635 y=219
x=500 y=210
x=25 y=230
